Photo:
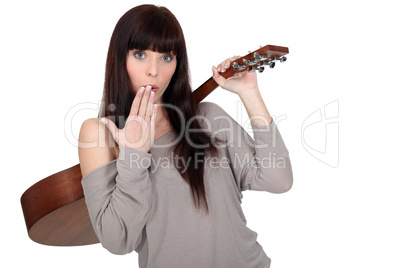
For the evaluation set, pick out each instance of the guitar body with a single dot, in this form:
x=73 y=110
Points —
x=55 y=211
x=54 y=208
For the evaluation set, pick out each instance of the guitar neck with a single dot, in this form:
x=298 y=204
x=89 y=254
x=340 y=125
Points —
x=204 y=90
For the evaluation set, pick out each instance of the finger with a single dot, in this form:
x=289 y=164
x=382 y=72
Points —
x=112 y=128
x=144 y=101
x=150 y=105
x=153 y=122
x=136 y=102
x=225 y=65
x=219 y=79
x=220 y=67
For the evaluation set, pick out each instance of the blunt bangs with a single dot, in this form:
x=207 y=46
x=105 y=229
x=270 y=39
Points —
x=156 y=32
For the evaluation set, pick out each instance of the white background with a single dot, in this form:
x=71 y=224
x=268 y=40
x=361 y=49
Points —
x=344 y=209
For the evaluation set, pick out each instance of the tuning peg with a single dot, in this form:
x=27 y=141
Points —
x=281 y=59
x=237 y=66
x=258 y=68
x=271 y=64
x=252 y=61
x=257 y=56
x=263 y=56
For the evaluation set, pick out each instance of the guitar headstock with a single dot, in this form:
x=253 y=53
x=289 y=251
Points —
x=258 y=59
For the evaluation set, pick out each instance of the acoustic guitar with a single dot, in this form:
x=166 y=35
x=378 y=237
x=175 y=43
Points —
x=54 y=208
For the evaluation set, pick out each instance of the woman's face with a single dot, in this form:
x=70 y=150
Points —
x=150 y=68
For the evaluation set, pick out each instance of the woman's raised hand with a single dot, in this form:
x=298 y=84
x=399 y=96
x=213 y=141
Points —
x=239 y=83
x=139 y=129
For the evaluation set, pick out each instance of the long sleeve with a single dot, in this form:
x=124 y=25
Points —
x=118 y=196
x=262 y=164
x=267 y=164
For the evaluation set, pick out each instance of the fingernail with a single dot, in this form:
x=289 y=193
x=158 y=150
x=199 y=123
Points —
x=104 y=121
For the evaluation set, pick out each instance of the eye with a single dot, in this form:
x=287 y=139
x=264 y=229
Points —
x=167 y=58
x=139 y=54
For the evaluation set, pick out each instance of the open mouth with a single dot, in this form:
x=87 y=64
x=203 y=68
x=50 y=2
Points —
x=153 y=88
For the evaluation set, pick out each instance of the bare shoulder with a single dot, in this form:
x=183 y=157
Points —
x=96 y=146
x=89 y=129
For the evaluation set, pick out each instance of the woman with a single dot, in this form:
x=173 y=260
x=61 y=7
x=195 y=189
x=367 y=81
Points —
x=162 y=175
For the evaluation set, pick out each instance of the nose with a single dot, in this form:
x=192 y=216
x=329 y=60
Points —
x=152 y=68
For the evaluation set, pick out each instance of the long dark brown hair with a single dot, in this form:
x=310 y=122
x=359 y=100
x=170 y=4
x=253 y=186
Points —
x=148 y=27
